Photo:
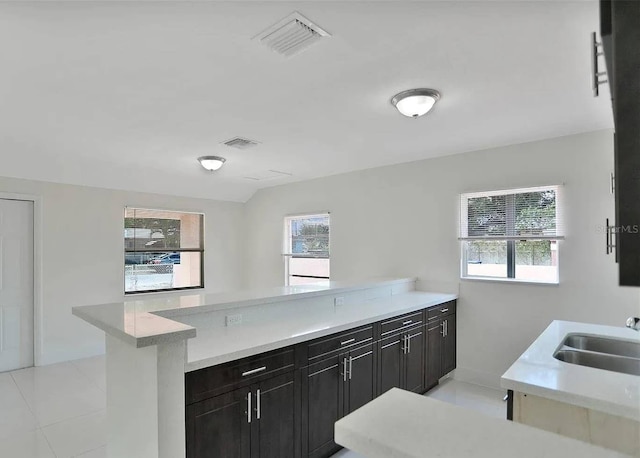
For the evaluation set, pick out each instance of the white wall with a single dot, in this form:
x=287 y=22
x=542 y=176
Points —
x=82 y=255
x=402 y=221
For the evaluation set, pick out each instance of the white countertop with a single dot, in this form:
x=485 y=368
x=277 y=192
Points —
x=218 y=345
x=401 y=424
x=144 y=322
x=538 y=373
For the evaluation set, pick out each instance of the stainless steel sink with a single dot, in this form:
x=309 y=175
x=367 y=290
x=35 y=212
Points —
x=603 y=345
x=604 y=361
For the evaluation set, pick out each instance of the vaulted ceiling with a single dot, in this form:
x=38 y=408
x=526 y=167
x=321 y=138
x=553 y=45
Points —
x=127 y=95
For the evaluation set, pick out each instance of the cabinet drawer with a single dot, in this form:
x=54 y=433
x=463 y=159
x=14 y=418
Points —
x=213 y=381
x=402 y=322
x=340 y=341
x=441 y=310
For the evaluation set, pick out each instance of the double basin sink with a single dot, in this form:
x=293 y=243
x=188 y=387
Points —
x=601 y=353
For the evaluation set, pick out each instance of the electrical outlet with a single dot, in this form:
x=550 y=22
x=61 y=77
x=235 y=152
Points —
x=232 y=320
x=338 y=301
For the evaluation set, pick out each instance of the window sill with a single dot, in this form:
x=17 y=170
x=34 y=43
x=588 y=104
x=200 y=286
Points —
x=510 y=280
x=160 y=291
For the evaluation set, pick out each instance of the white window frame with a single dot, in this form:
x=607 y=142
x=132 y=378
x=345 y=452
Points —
x=464 y=239
x=287 y=249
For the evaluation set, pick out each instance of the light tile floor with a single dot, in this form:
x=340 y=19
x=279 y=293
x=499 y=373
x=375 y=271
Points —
x=58 y=411
x=55 y=411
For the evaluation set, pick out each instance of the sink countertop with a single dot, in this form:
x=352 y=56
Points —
x=217 y=345
x=401 y=424
x=146 y=322
x=538 y=373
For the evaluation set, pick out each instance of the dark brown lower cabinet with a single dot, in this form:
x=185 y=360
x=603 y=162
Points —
x=219 y=427
x=449 y=345
x=434 y=353
x=273 y=427
x=331 y=389
x=284 y=403
x=401 y=360
x=441 y=349
x=322 y=405
x=252 y=422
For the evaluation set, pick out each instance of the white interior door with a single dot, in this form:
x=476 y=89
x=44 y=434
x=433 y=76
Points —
x=16 y=284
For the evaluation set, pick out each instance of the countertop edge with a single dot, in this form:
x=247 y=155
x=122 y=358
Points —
x=186 y=331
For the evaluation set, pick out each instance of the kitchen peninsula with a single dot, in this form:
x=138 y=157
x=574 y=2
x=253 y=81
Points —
x=187 y=360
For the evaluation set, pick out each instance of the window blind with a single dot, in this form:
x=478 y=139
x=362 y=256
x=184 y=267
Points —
x=516 y=214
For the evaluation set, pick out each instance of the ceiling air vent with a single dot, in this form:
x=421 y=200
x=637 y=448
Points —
x=291 y=35
x=240 y=143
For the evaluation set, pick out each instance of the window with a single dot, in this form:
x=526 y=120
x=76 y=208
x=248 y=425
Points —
x=163 y=250
x=511 y=234
x=306 y=249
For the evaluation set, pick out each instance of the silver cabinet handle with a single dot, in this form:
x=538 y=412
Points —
x=344 y=369
x=596 y=74
x=444 y=310
x=249 y=407
x=404 y=344
x=254 y=371
x=613 y=183
x=442 y=332
x=404 y=323
x=446 y=328
x=350 y=366
x=408 y=344
x=347 y=341
x=257 y=404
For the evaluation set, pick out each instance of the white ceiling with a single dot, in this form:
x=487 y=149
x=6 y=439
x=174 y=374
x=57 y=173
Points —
x=128 y=95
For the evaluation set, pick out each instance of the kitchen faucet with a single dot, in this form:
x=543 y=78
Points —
x=633 y=322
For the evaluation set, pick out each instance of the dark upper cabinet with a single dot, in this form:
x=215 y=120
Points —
x=620 y=32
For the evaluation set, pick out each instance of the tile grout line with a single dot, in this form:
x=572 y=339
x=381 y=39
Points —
x=91 y=379
x=93 y=412
x=92 y=450
x=48 y=443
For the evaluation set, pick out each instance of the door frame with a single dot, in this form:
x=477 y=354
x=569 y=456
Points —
x=37 y=269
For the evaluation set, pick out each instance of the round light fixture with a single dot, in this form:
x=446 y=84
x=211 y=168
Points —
x=415 y=102
x=211 y=163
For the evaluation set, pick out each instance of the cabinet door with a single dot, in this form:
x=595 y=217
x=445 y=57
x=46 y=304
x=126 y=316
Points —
x=390 y=363
x=449 y=345
x=361 y=379
x=434 y=353
x=220 y=426
x=272 y=434
x=322 y=404
x=414 y=361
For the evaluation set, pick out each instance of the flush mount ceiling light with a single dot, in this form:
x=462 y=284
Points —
x=211 y=163
x=415 y=102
